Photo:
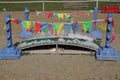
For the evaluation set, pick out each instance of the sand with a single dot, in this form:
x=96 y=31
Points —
x=55 y=66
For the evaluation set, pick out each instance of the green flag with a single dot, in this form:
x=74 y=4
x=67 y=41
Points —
x=55 y=27
x=87 y=26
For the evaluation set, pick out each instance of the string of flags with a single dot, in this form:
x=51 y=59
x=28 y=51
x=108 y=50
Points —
x=63 y=15
x=56 y=28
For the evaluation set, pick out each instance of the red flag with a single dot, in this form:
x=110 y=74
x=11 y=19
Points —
x=15 y=21
x=50 y=15
x=37 y=27
x=112 y=38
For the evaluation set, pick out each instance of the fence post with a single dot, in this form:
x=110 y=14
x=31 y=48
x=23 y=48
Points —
x=10 y=51
x=25 y=33
x=95 y=32
x=107 y=52
x=43 y=6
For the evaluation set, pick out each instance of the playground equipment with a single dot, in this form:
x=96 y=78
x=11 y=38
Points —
x=10 y=51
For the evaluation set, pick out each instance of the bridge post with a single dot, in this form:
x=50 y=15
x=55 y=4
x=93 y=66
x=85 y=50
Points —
x=107 y=52
x=95 y=32
x=10 y=51
x=25 y=33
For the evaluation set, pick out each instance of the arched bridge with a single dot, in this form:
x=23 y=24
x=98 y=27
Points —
x=67 y=41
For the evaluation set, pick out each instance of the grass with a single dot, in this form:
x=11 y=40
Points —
x=49 y=6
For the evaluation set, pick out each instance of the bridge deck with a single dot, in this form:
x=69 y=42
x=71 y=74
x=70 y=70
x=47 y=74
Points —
x=37 y=40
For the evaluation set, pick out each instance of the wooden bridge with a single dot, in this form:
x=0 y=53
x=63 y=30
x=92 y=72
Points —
x=35 y=42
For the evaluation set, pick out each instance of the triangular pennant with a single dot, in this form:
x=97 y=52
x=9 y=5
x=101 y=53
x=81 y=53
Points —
x=61 y=15
x=53 y=14
x=28 y=25
x=50 y=15
x=46 y=14
x=23 y=25
x=75 y=27
x=15 y=21
x=44 y=25
x=55 y=27
x=82 y=14
x=51 y=29
x=68 y=28
x=112 y=38
x=103 y=26
x=32 y=24
x=37 y=27
x=58 y=15
x=60 y=26
x=88 y=14
x=37 y=13
x=87 y=26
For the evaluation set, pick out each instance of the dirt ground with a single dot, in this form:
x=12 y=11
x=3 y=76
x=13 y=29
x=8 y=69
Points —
x=54 y=66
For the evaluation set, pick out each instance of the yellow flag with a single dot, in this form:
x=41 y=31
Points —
x=60 y=26
x=28 y=24
x=88 y=14
x=61 y=15
x=103 y=26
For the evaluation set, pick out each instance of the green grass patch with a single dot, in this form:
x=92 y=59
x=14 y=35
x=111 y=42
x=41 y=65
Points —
x=50 y=6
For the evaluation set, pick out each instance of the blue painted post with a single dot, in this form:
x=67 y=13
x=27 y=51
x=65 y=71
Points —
x=95 y=16
x=24 y=33
x=26 y=13
x=95 y=32
x=9 y=32
x=107 y=52
x=10 y=51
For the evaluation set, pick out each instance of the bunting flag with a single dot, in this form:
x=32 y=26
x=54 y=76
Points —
x=68 y=28
x=60 y=26
x=37 y=27
x=112 y=38
x=15 y=21
x=88 y=14
x=51 y=29
x=47 y=29
x=87 y=26
x=82 y=14
x=23 y=24
x=32 y=24
x=44 y=26
x=61 y=15
x=94 y=25
x=48 y=14
x=55 y=27
x=28 y=25
x=53 y=14
x=58 y=15
x=75 y=27
x=69 y=19
x=37 y=13
x=103 y=26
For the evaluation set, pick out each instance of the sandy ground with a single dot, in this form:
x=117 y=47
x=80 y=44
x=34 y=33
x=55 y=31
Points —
x=54 y=66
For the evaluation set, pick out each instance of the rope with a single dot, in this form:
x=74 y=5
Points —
x=98 y=20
